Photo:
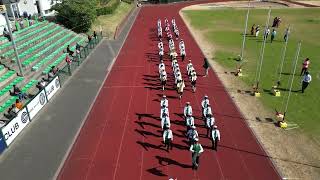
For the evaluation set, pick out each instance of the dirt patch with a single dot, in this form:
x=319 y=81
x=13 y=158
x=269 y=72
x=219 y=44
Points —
x=294 y=154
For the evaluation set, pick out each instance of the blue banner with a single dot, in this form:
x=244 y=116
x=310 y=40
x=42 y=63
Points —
x=3 y=145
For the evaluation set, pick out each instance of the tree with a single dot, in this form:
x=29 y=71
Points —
x=77 y=15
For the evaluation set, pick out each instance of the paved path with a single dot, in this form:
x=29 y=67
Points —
x=39 y=150
x=121 y=138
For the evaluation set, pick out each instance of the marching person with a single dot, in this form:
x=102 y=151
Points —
x=193 y=79
x=162 y=67
x=181 y=44
x=167 y=138
x=306 y=81
x=189 y=122
x=163 y=79
x=161 y=53
x=176 y=32
x=215 y=137
x=160 y=44
x=182 y=53
x=164 y=111
x=207 y=111
x=209 y=124
x=189 y=66
x=164 y=101
x=187 y=111
x=206 y=66
x=180 y=87
x=305 y=66
x=196 y=150
x=205 y=102
x=165 y=121
x=192 y=135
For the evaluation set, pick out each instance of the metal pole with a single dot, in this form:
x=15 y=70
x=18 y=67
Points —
x=245 y=33
x=284 y=54
x=294 y=72
x=263 y=46
x=14 y=45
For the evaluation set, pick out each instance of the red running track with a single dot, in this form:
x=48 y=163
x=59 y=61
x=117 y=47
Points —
x=121 y=138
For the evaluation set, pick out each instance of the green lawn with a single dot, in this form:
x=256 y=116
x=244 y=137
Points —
x=223 y=28
x=111 y=21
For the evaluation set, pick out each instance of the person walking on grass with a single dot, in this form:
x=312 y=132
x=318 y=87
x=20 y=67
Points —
x=266 y=33
x=253 y=30
x=286 y=35
x=273 y=34
x=167 y=138
x=305 y=66
x=215 y=138
x=206 y=66
x=196 y=150
x=306 y=81
x=257 y=31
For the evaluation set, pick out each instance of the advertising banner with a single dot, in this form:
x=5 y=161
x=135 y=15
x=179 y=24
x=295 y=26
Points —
x=2 y=143
x=36 y=104
x=15 y=126
x=52 y=87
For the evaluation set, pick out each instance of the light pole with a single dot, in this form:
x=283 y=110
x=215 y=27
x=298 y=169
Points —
x=245 y=33
x=4 y=11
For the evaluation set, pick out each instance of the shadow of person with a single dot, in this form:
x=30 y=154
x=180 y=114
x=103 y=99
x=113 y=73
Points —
x=168 y=161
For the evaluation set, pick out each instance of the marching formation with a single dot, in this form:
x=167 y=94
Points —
x=207 y=117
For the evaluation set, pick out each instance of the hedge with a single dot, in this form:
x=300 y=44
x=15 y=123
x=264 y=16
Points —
x=108 y=9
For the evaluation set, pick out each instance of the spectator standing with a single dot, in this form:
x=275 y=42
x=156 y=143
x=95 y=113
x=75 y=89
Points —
x=273 y=34
x=305 y=66
x=206 y=66
x=306 y=81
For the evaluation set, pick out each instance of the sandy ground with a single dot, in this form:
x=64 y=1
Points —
x=295 y=155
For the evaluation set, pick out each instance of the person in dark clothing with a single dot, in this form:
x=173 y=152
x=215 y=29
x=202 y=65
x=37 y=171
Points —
x=19 y=93
x=305 y=81
x=95 y=35
x=6 y=34
x=206 y=66
x=196 y=150
x=12 y=112
x=69 y=51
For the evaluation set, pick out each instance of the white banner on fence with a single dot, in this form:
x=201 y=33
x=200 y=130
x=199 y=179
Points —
x=52 y=87
x=36 y=104
x=15 y=126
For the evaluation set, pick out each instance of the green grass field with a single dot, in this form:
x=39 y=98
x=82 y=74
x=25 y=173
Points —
x=224 y=28
x=111 y=21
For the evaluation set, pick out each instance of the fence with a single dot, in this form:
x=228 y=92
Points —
x=25 y=116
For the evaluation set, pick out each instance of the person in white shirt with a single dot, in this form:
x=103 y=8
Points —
x=161 y=53
x=215 y=138
x=164 y=111
x=192 y=135
x=159 y=22
x=165 y=121
x=167 y=138
x=164 y=101
x=187 y=111
x=181 y=44
x=209 y=124
x=189 y=66
x=204 y=103
x=161 y=66
x=163 y=79
x=207 y=111
x=180 y=87
x=189 y=122
x=305 y=81
x=196 y=150
x=178 y=77
x=160 y=44
x=176 y=32
x=182 y=53
x=193 y=79
x=165 y=21
x=174 y=63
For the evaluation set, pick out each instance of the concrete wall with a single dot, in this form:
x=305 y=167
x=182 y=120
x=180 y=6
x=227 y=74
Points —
x=28 y=6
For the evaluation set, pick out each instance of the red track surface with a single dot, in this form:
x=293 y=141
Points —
x=121 y=138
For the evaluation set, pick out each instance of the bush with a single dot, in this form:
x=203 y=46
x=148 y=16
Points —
x=76 y=15
x=127 y=1
x=109 y=9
